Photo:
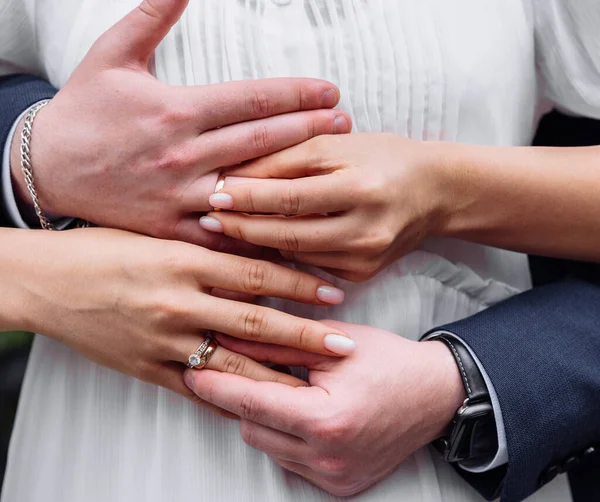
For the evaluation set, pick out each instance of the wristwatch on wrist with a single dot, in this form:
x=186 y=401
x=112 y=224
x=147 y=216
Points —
x=471 y=438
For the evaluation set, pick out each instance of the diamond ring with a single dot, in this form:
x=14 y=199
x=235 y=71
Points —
x=200 y=357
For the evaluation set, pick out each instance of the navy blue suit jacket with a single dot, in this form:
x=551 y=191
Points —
x=541 y=349
x=17 y=93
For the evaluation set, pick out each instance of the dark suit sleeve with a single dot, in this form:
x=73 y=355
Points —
x=541 y=350
x=17 y=93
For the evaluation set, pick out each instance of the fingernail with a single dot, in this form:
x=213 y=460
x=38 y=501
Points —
x=211 y=224
x=329 y=294
x=189 y=379
x=221 y=201
x=339 y=345
x=331 y=98
x=340 y=124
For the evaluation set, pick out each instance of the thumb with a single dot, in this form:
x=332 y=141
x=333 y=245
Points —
x=134 y=38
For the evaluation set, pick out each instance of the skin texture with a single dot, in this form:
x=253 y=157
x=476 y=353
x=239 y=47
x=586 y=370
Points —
x=362 y=201
x=152 y=299
x=141 y=305
x=354 y=214
x=161 y=147
x=359 y=419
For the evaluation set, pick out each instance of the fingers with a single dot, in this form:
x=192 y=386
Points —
x=170 y=376
x=264 y=352
x=287 y=409
x=311 y=195
x=195 y=198
x=243 y=275
x=334 y=260
x=188 y=230
x=226 y=361
x=299 y=469
x=248 y=140
x=229 y=103
x=262 y=324
x=305 y=234
x=273 y=442
x=230 y=295
x=306 y=159
x=134 y=39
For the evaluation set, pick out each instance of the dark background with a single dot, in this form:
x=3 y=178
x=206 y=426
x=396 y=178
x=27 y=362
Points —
x=14 y=350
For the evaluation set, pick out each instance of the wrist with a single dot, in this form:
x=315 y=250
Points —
x=446 y=393
x=16 y=311
x=441 y=178
x=19 y=185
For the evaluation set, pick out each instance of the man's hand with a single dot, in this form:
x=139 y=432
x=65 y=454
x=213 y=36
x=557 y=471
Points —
x=361 y=417
x=121 y=149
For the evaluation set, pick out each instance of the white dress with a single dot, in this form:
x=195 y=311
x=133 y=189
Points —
x=473 y=71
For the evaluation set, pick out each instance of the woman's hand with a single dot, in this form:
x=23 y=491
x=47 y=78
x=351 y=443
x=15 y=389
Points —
x=357 y=202
x=141 y=305
x=123 y=150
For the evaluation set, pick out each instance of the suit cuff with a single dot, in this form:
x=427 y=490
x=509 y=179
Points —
x=501 y=456
x=8 y=194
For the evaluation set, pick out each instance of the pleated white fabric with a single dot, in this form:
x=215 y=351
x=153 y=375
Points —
x=461 y=70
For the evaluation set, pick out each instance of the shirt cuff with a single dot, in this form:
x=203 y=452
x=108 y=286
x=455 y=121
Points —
x=501 y=456
x=8 y=193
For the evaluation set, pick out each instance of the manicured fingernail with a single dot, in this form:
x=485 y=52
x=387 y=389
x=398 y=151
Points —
x=210 y=224
x=329 y=294
x=331 y=98
x=340 y=124
x=189 y=379
x=339 y=345
x=221 y=201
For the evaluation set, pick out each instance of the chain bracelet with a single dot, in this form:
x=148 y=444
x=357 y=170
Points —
x=26 y=167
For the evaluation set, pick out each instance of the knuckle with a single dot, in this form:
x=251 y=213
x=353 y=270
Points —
x=263 y=141
x=235 y=364
x=375 y=242
x=249 y=407
x=311 y=129
x=248 y=433
x=374 y=189
x=303 y=336
x=287 y=240
x=253 y=323
x=173 y=114
x=290 y=201
x=297 y=285
x=144 y=370
x=330 y=465
x=148 y=9
x=173 y=159
x=259 y=103
x=335 y=430
x=254 y=277
x=167 y=311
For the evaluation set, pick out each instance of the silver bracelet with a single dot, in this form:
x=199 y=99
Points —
x=26 y=163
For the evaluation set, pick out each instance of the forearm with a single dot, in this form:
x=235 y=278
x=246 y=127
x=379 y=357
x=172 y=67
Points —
x=535 y=200
x=16 y=311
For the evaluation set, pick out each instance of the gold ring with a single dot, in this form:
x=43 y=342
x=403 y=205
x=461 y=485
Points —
x=218 y=187
x=200 y=357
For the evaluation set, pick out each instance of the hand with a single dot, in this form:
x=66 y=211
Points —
x=360 y=202
x=123 y=150
x=140 y=305
x=361 y=417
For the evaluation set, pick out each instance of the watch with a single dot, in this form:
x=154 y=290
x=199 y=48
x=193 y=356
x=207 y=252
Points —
x=472 y=437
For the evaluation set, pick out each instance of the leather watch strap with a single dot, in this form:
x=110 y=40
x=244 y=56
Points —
x=472 y=378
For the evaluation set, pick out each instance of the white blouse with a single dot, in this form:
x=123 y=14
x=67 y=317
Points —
x=472 y=71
